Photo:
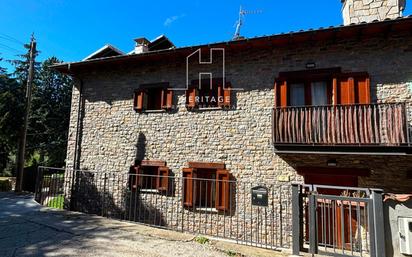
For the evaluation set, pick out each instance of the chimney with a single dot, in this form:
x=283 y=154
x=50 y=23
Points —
x=357 y=11
x=142 y=45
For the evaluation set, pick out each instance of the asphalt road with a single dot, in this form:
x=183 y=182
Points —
x=28 y=229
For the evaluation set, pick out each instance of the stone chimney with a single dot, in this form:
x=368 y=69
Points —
x=141 y=46
x=357 y=11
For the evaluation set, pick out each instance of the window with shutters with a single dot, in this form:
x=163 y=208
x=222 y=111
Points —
x=150 y=176
x=153 y=97
x=208 y=94
x=207 y=186
x=321 y=87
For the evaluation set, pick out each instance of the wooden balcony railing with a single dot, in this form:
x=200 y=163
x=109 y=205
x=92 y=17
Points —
x=367 y=124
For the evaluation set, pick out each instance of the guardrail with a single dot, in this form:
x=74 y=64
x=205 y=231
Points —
x=383 y=124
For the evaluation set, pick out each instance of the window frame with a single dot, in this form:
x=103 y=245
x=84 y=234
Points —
x=355 y=85
x=223 y=94
x=192 y=183
x=162 y=92
x=159 y=180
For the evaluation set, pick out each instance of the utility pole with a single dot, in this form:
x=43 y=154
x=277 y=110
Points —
x=22 y=142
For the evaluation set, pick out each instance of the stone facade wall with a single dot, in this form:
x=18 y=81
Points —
x=113 y=134
x=357 y=11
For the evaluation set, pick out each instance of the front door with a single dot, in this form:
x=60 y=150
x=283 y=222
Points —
x=330 y=215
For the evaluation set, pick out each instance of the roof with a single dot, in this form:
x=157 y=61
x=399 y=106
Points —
x=106 y=51
x=276 y=40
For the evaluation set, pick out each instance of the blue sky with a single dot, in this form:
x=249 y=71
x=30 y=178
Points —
x=72 y=29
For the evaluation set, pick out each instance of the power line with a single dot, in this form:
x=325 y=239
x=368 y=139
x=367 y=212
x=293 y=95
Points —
x=6 y=47
x=10 y=38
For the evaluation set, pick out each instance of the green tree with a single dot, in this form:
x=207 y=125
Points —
x=11 y=113
x=51 y=114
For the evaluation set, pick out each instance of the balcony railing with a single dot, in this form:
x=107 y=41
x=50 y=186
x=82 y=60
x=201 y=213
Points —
x=383 y=124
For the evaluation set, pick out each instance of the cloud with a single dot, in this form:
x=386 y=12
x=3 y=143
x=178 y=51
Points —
x=168 y=22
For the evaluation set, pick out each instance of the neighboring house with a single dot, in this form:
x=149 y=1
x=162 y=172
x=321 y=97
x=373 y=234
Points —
x=327 y=106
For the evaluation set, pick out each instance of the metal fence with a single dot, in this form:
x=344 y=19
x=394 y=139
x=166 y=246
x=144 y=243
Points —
x=342 y=221
x=207 y=206
x=49 y=188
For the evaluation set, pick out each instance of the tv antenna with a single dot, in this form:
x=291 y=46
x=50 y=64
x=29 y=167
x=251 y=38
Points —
x=239 y=22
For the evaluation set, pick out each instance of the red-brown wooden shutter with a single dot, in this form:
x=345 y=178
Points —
x=163 y=179
x=191 y=97
x=224 y=95
x=222 y=190
x=281 y=93
x=335 y=91
x=138 y=100
x=188 y=187
x=135 y=180
x=167 y=99
x=352 y=88
x=346 y=89
x=363 y=90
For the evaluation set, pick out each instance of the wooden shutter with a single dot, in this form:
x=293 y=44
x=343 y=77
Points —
x=222 y=190
x=224 y=95
x=352 y=88
x=138 y=100
x=188 y=187
x=134 y=178
x=163 y=179
x=362 y=89
x=281 y=93
x=167 y=99
x=191 y=97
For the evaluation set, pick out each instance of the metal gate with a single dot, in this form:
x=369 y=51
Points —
x=345 y=221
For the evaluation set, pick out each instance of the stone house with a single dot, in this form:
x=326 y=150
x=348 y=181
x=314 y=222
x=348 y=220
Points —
x=327 y=106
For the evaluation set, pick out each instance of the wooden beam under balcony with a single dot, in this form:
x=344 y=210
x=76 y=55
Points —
x=384 y=125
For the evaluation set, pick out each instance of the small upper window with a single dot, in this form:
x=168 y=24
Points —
x=208 y=94
x=153 y=97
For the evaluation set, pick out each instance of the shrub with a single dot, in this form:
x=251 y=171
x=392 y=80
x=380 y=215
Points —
x=201 y=240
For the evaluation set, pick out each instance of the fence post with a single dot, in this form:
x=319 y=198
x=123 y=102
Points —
x=38 y=188
x=313 y=231
x=379 y=230
x=297 y=241
x=104 y=193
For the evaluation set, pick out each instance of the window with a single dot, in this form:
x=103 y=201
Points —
x=153 y=97
x=206 y=186
x=322 y=87
x=150 y=176
x=207 y=96
x=319 y=95
x=297 y=94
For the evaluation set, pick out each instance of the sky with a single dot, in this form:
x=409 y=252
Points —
x=72 y=29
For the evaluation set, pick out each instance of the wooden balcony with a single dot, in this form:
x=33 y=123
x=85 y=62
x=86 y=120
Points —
x=383 y=125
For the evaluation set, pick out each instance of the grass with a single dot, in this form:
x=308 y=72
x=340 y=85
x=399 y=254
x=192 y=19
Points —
x=56 y=202
x=201 y=240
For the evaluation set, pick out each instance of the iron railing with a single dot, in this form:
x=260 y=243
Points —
x=207 y=211
x=383 y=124
x=338 y=220
x=49 y=189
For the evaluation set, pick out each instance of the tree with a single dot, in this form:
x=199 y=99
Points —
x=11 y=113
x=49 y=117
x=51 y=114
